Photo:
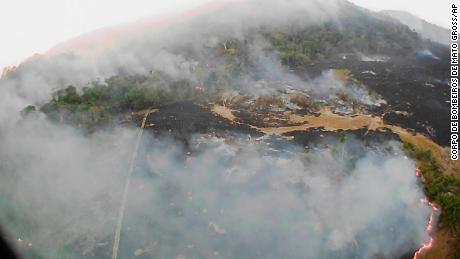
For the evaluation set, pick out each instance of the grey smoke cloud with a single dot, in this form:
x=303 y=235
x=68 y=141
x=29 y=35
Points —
x=316 y=208
x=65 y=186
x=237 y=200
x=226 y=200
x=37 y=78
x=187 y=50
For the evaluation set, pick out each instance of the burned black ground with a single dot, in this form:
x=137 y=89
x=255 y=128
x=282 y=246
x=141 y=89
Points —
x=182 y=120
x=416 y=84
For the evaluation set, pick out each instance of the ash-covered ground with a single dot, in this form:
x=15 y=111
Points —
x=416 y=88
x=185 y=119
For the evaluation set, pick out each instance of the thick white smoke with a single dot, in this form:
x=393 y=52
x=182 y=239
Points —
x=61 y=190
x=272 y=203
x=187 y=50
x=153 y=50
x=233 y=199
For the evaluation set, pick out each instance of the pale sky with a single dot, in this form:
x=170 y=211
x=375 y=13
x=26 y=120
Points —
x=34 y=26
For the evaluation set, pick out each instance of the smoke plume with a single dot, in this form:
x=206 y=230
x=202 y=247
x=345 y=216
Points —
x=60 y=189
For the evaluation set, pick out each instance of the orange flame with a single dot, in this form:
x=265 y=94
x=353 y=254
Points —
x=423 y=248
x=429 y=228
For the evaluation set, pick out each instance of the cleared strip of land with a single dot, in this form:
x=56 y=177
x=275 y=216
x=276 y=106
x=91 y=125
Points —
x=333 y=122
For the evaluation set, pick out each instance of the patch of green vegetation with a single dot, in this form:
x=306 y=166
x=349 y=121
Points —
x=101 y=105
x=343 y=137
x=439 y=187
x=299 y=46
x=28 y=110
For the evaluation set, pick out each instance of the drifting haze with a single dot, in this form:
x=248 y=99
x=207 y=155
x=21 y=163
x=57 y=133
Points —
x=230 y=200
x=34 y=27
x=37 y=78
